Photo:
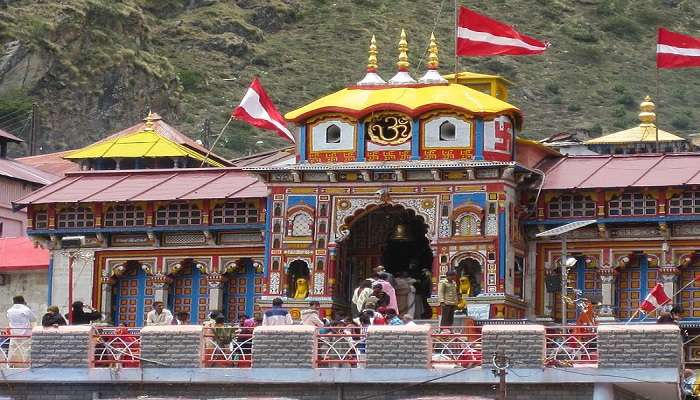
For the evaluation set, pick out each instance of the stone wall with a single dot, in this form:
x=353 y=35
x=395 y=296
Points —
x=639 y=346
x=172 y=346
x=286 y=346
x=65 y=347
x=398 y=346
x=524 y=345
x=32 y=284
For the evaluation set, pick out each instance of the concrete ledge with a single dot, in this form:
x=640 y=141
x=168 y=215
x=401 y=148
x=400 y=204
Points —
x=64 y=346
x=172 y=346
x=284 y=346
x=639 y=346
x=173 y=329
x=524 y=345
x=398 y=346
x=284 y=329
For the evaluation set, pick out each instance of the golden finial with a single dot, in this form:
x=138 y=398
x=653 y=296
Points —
x=403 y=53
x=433 y=62
x=647 y=116
x=372 y=59
x=149 y=121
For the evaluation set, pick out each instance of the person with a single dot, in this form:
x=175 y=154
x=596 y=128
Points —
x=182 y=318
x=20 y=318
x=53 y=318
x=277 y=315
x=159 y=315
x=392 y=318
x=310 y=316
x=361 y=295
x=448 y=297
x=379 y=270
x=665 y=318
x=80 y=316
x=408 y=320
x=379 y=318
x=676 y=313
x=223 y=334
x=388 y=288
x=379 y=298
x=405 y=293
x=209 y=322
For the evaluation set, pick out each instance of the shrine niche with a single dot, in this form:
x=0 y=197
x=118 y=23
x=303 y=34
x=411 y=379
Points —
x=388 y=137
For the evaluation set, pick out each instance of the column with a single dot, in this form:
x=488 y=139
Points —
x=330 y=271
x=106 y=303
x=548 y=303
x=669 y=277
x=215 y=283
x=607 y=278
x=160 y=287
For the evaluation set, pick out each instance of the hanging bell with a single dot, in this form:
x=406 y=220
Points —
x=401 y=233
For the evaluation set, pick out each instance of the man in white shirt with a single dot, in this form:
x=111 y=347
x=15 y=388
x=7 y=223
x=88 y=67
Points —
x=20 y=318
x=159 y=315
x=277 y=315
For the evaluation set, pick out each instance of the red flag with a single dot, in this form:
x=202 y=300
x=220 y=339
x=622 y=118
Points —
x=479 y=35
x=674 y=50
x=655 y=299
x=257 y=109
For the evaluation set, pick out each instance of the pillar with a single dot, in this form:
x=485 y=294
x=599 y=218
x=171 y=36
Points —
x=160 y=287
x=669 y=277
x=607 y=278
x=330 y=271
x=215 y=283
x=106 y=298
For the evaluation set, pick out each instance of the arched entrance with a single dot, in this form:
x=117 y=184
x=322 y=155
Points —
x=132 y=294
x=388 y=235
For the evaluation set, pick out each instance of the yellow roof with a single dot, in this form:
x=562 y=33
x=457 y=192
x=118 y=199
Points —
x=412 y=100
x=143 y=144
x=638 y=134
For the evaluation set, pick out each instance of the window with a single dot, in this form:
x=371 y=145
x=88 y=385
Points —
x=76 y=217
x=684 y=203
x=566 y=206
x=235 y=212
x=468 y=225
x=125 y=215
x=632 y=204
x=447 y=131
x=179 y=214
x=302 y=225
x=41 y=220
x=333 y=134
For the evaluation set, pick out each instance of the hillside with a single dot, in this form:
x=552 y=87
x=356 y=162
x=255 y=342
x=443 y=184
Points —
x=94 y=66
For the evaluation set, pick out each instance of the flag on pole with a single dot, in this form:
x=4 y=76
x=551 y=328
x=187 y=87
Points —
x=655 y=299
x=257 y=109
x=675 y=50
x=479 y=35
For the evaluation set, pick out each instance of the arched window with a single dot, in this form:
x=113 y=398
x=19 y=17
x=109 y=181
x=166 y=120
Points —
x=447 y=131
x=76 y=217
x=468 y=225
x=333 y=134
x=125 y=215
x=302 y=225
x=684 y=203
x=179 y=214
x=566 y=206
x=632 y=204
x=41 y=219
x=235 y=212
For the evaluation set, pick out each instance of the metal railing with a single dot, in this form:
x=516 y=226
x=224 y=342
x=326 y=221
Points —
x=15 y=347
x=456 y=347
x=568 y=346
x=117 y=347
x=228 y=347
x=342 y=347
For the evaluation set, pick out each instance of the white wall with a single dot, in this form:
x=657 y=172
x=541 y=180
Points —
x=32 y=284
x=82 y=279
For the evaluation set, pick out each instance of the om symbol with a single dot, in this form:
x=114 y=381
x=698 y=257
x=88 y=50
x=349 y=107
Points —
x=390 y=130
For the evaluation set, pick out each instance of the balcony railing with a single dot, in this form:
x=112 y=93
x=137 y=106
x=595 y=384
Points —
x=15 y=347
x=456 y=347
x=228 y=347
x=117 y=347
x=571 y=346
x=341 y=347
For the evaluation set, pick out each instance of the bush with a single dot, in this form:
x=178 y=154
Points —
x=626 y=100
x=622 y=27
x=681 y=122
x=573 y=108
x=190 y=80
x=584 y=54
x=552 y=87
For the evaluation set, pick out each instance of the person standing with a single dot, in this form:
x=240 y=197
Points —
x=388 y=288
x=52 y=318
x=81 y=316
x=311 y=316
x=449 y=297
x=360 y=296
x=20 y=318
x=277 y=315
x=159 y=315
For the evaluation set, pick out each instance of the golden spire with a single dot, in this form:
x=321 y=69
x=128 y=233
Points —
x=433 y=62
x=403 y=53
x=647 y=116
x=149 y=122
x=372 y=59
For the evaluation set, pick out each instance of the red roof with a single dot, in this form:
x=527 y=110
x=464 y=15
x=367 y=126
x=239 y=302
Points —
x=18 y=170
x=53 y=163
x=149 y=185
x=10 y=137
x=619 y=171
x=20 y=253
x=281 y=156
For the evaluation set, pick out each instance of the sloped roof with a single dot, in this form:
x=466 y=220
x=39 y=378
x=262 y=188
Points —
x=10 y=137
x=53 y=163
x=620 y=171
x=18 y=170
x=20 y=254
x=148 y=185
x=281 y=156
x=638 y=134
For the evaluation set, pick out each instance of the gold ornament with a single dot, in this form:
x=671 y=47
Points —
x=403 y=53
x=433 y=62
x=372 y=59
x=389 y=129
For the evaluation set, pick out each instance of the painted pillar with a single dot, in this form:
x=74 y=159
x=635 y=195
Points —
x=215 y=284
x=106 y=296
x=669 y=277
x=302 y=144
x=330 y=271
x=415 y=140
x=608 y=276
x=160 y=287
x=360 y=141
x=479 y=145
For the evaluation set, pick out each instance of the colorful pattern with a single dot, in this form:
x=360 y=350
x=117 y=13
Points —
x=690 y=296
x=190 y=294
x=133 y=297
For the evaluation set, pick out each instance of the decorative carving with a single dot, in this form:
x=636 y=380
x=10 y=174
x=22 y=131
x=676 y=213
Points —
x=389 y=129
x=634 y=232
x=215 y=280
x=319 y=283
x=274 y=283
x=160 y=281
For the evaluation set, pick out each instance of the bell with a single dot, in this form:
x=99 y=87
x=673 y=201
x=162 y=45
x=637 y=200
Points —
x=401 y=233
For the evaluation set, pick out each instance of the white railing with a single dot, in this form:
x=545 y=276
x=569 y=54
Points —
x=228 y=347
x=15 y=347
x=568 y=346
x=341 y=347
x=117 y=347
x=454 y=347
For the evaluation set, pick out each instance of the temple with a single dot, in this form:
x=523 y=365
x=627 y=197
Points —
x=418 y=174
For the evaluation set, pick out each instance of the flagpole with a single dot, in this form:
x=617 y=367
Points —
x=664 y=303
x=657 y=100
x=206 y=158
x=456 y=31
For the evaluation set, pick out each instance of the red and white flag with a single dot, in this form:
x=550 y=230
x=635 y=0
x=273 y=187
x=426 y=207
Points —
x=257 y=109
x=479 y=35
x=674 y=50
x=655 y=299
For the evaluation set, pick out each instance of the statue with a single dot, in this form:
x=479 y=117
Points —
x=302 y=289
x=465 y=288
